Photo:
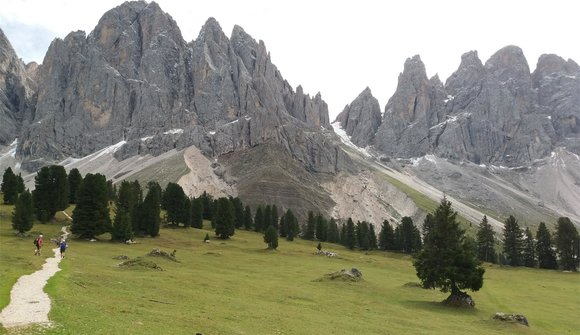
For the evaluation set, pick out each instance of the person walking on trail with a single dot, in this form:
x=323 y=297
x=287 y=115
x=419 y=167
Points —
x=38 y=244
x=63 y=246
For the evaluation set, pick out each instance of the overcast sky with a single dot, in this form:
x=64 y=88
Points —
x=335 y=47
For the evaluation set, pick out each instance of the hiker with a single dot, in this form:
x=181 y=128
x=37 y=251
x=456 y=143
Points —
x=63 y=246
x=38 y=244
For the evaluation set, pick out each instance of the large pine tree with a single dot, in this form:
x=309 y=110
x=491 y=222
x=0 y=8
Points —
x=23 y=215
x=408 y=236
x=293 y=228
x=512 y=242
x=9 y=187
x=310 y=229
x=485 y=242
x=197 y=213
x=91 y=214
x=567 y=244
x=362 y=235
x=151 y=209
x=387 y=236
x=122 y=226
x=350 y=235
x=248 y=221
x=50 y=194
x=373 y=237
x=259 y=220
x=545 y=248
x=74 y=181
x=447 y=261
x=321 y=228
x=173 y=202
x=332 y=234
x=529 y=249
x=223 y=219
x=271 y=237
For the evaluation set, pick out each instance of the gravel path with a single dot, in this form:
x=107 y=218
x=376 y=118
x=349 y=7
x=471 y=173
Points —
x=29 y=303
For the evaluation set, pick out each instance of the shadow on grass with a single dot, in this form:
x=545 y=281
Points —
x=438 y=307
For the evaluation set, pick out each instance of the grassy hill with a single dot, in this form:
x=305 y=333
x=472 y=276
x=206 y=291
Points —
x=238 y=287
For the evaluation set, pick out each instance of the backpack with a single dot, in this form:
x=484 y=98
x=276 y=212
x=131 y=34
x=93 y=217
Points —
x=36 y=242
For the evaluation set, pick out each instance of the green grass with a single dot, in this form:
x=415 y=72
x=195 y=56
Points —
x=238 y=287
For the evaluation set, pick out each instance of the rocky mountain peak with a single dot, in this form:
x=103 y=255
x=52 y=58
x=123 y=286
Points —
x=361 y=119
x=510 y=68
x=414 y=70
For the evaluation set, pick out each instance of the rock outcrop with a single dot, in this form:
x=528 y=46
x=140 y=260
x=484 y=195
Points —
x=361 y=118
x=135 y=79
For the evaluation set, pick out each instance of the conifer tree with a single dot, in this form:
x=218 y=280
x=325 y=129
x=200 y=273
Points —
x=283 y=226
x=274 y=217
x=187 y=212
x=91 y=214
x=74 y=181
x=174 y=203
x=321 y=228
x=151 y=209
x=267 y=217
x=248 y=221
x=271 y=237
x=387 y=236
x=291 y=222
x=350 y=235
x=372 y=237
x=567 y=244
x=409 y=237
x=223 y=219
x=343 y=234
x=529 y=250
x=485 y=242
x=310 y=229
x=20 y=184
x=122 y=226
x=197 y=213
x=545 y=248
x=259 y=220
x=23 y=215
x=332 y=235
x=9 y=187
x=135 y=203
x=238 y=212
x=362 y=235
x=447 y=261
x=51 y=192
x=512 y=244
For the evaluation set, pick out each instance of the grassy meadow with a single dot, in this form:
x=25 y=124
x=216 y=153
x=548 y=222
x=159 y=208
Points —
x=239 y=287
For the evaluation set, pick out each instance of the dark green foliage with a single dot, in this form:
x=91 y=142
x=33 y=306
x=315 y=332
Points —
x=135 y=203
x=187 y=212
x=274 y=217
x=310 y=229
x=512 y=242
x=238 y=212
x=20 y=184
x=321 y=228
x=91 y=214
x=349 y=235
x=23 y=215
x=271 y=237
x=173 y=202
x=387 y=237
x=332 y=234
x=447 y=261
x=259 y=220
x=223 y=219
x=74 y=181
x=372 y=237
x=293 y=228
x=9 y=187
x=283 y=226
x=197 y=213
x=267 y=217
x=207 y=202
x=407 y=236
x=428 y=224
x=485 y=242
x=545 y=248
x=529 y=250
x=111 y=190
x=151 y=209
x=362 y=235
x=319 y=246
x=124 y=206
x=343 y=234
x=51 y=192
x=248 y=221
x=567 y=244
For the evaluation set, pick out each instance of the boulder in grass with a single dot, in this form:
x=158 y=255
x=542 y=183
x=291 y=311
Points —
x=345 y=275
x=511 y=318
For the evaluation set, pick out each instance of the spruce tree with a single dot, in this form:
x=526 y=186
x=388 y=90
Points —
x=135 y=206
x=187 y=212
x=372 y=237
x=486 y=242
x=259 y=220
x=446 y=261
x=248 y=221
x=409 y=237
x=387 y=236
x=349 y=235
x=9 y=187
x=567 y=244
x=207 y=202
x=173 y=202
x=321 y=228
x=238 y=212
x=267 y=217
x=512 y=244
x=292 y=223
x=529 y=250
x=122 y=226
x=91 y=214
x=74 y=181
x=20 y=184
x=223 y=219
x=197 y=213
x=151 y=209
x=23 y=215
x=271 y=237
x=51 y=192
x=332 y=234
x=283 y=226
x=310 y=229
x=362 y=234
x=274 y=217
x=545 y=248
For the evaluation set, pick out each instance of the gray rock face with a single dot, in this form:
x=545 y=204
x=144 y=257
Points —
x=495 y=113
x=15 y=93
x=361 y=118
x=135 y=79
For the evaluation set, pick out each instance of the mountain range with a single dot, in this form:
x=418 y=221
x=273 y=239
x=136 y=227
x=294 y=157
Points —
x=133 y=99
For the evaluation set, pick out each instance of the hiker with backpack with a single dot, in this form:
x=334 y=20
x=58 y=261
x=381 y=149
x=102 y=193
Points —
x=63 y=246
x=38 y=245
